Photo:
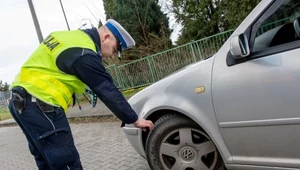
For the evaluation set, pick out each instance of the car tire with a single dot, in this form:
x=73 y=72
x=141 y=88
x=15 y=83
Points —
x=178 y=143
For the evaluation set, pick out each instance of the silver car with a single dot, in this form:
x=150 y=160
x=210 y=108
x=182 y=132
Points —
x=239 y=109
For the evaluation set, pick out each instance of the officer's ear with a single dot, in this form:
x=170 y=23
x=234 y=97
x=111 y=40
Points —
x=103 y=37
x=106 y=36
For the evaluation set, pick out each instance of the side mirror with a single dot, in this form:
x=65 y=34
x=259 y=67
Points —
x=297 y=26
x=239 y=46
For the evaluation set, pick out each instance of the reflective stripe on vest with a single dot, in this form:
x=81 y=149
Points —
x=48 y=84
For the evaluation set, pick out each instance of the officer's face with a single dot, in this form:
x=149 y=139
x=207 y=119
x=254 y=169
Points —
x=109 y=46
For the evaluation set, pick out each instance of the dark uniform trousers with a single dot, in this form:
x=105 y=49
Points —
x=48 y=134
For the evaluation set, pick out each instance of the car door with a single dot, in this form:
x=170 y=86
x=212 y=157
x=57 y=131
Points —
x=257 y=98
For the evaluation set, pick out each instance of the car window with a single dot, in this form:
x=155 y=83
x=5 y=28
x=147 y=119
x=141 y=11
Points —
x=279 y=27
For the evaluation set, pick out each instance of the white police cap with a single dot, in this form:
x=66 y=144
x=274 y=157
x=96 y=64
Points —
x=124 y=38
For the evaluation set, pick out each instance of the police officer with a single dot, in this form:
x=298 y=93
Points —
x=62 y=65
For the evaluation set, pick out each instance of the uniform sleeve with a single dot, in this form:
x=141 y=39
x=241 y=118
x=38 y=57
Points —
x=90 y=70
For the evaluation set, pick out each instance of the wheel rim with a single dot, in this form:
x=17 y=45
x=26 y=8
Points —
x=187 y=149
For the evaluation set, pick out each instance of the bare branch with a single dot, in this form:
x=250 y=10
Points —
x=140 y=22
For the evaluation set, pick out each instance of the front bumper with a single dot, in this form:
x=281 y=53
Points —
x=134 y=136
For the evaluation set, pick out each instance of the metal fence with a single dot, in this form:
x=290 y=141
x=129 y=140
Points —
x=4 y=96
x=152 y=68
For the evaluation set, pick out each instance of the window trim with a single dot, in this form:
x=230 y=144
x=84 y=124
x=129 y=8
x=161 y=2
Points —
x=271 y=10
x=276 y=49
x=231 y=61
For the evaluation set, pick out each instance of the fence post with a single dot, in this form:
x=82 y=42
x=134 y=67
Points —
x=199 y=51
x=118 y=76
x=151 y=69
x=194 y=55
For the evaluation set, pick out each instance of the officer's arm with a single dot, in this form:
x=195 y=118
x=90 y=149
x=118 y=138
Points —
x=90 y=70
x=114 y=100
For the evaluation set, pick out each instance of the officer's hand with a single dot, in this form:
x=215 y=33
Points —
x=143 y=124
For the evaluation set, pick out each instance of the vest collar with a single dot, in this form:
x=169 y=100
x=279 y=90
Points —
x=93 y=33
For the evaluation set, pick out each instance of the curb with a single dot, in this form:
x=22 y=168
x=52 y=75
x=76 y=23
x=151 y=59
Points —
x=8 y=124
x=81 y=119
x=95 y=118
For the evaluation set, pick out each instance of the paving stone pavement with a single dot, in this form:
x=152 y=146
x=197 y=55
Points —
x=102 y=146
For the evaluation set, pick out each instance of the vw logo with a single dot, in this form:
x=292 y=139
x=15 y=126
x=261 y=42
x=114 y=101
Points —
x=187 y=154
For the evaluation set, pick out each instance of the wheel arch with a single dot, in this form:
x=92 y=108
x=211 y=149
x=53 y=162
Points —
x=155 y=115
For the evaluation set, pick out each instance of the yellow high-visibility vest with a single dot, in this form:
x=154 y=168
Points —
x=40 y=76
